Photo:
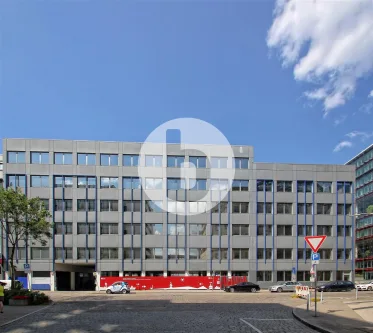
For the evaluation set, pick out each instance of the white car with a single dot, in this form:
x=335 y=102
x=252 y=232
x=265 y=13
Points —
x=286 y=286
x=365 y=286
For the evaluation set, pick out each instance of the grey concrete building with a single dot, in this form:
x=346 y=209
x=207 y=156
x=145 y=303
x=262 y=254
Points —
x=106 y=223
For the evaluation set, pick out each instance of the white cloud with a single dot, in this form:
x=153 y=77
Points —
x=342 y=145
x=370 y=94
x=329 y=43
x=363 y=135
x=340 y=120
x=366 y=108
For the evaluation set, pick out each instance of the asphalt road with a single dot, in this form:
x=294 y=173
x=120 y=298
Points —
x=164 y=312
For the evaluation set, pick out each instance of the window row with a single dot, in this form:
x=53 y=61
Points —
x=302 y=208
x=128 y=160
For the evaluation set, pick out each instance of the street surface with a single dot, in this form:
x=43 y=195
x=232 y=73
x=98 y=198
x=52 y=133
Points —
x=166 y=311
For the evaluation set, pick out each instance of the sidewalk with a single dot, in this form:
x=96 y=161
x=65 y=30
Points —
x=12 y=313
x=337 y=316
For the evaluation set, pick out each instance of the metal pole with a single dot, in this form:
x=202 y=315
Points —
x=315 y=269
x=321 y=296
x=356 y=291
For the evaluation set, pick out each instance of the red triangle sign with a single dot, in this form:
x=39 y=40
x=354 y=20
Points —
x=315 y=242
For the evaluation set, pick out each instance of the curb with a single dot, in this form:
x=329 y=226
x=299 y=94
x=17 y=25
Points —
x=307 y=323
x=26 y=315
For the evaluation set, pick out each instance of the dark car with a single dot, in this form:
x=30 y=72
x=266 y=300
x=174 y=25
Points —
x=337 y=286
x=243 y=286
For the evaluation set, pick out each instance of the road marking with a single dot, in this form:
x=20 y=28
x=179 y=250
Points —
x=269 y=319
x=26 y=315
x=253 y=327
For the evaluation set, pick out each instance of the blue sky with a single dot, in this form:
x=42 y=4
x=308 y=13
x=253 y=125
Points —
x=106 y=70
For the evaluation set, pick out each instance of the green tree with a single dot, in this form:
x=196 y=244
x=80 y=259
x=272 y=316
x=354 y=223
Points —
x=22 y=219
x=370 y=209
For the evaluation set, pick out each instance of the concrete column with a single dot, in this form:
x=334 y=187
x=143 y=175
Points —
x=72 y=280
x=53 y=281
x=98 y=278
x=186 y=273
x=29 y=281
x=143 y=274
x=165 y=274
x=208 y=273
x=229 y=274
x=121 y=274
x=7 y=275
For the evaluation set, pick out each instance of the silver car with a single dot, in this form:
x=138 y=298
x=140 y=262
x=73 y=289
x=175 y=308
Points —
x=285 y=286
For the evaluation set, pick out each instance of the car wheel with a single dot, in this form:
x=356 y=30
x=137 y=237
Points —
x=231 y=290
x=108 y=291
x=279 y=290
x=253 y=290
x=369 y=288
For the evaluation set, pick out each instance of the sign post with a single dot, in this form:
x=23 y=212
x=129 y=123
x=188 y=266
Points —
x=315 y=243
x=293 y=275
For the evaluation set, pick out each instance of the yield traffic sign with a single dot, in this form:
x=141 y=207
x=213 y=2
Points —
x=315 y=242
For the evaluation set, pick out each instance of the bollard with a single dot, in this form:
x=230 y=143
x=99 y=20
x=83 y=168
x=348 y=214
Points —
x=356 y=292
x=308 y=302
x=321 y=297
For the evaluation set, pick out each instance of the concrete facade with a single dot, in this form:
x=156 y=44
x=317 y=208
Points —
x=288 y=249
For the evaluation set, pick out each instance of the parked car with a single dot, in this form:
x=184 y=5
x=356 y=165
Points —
x=243 y=286
x=365 y=286
x=119 y=287
x=337 y=286
x=285 y=286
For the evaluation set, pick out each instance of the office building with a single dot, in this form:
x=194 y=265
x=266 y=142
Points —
x=106 y=225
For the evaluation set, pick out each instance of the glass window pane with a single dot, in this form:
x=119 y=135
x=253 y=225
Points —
x=91 y=159
x=68 y=159
x=81 y=159
x=113 y=159
x=104 y=159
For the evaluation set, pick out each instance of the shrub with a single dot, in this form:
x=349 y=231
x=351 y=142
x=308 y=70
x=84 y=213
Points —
x=35 y=297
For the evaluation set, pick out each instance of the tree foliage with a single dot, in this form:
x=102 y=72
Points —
x=370 y=209
x=22 y=220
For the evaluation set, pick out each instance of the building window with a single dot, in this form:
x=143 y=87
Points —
x=198 y=184
x=153 y=206
x=304 y=254
x=16 y=181
x=341 y=254
x=44 y=203
x=260 y=207
x=108 y=228
x=284 y=186
x=38 y=253
x=219 y=162
x=86 y=228
x=284 y=230
x=136 y=252
x=220 y=230
x=325 y=253
x=63 y=228
x=153 y=229
x=174 y=253
x=39 y=157
x=344 y=187
x=240 y=185
x=86 y=205
x=63 y=253
x=134 y=229
x=108 y=159
x=303 y=275
x=176 y=207
x=197 y=229
x=241 y=162
x=240 y=207
x=267 y=228
x=175 y=184
x=19 y=253
x=198 y=254
x=284 y=208
x=324 y=230
x=219 y=184
x=86 y=159
x=109 y=253
x=264 y=185
x=153 y=183
x=344 y=209
x=175 y=161
x=219 y=254
x=264 y=276
x=324 y=209
x=264 y=254
x=109 y=273
x=131 y=206
x=63 y=158
x=240 y=254
x=86 y=182
x=131 y=183
x=302 y=229
x=16 y=157
x=153 y=160
x=240 y=230
x=154 y=253
x=284 y=254
x=86 y=253
x=63 y=205
x=304 y=186
x=198 y=161
x=219 y=207
x=39 y=181
x=283 y=275
x=341 y=229
x=176 y=229
x=197 y=206
x=109 y=205
x=109 y=182
x=324 y=275
x=324 y=187
x=304 y=208
x=131 y=160
x=63 y=181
